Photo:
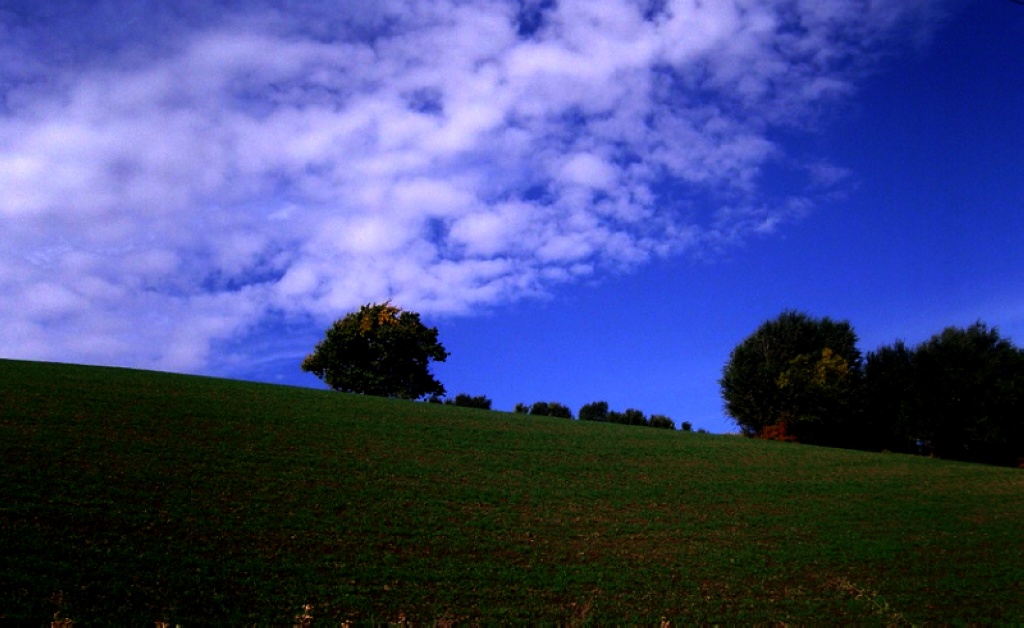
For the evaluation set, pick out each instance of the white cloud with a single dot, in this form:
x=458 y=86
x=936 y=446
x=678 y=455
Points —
x=161 y=194
x=590 y=171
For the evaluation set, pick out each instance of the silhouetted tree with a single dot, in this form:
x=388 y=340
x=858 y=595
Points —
x=798 y=374
x=596 y=411
x=379 y=350
x=631 y=416
x=662 y=421
x=559 y=410
x=818 y=392
x=967 y=397
x=889 y=388
x=634 y=417
x=469 y=401
x=551 y=408
x=540 y=408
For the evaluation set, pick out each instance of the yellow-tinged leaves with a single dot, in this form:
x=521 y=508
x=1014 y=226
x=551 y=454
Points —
x=830 y=368
x=379 y=316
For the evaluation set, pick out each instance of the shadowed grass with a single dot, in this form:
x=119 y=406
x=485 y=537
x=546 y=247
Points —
x=135 y=497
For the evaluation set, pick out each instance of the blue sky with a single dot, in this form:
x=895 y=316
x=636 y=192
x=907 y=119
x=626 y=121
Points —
x=592 y=200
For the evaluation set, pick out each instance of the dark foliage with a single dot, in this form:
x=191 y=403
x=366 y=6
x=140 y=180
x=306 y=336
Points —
x=540 y=408
x=888 y=406
x=798 y=371
x=469 y=401
x=559 y=410
x=379 y=350
x=661 y=421
x=958 y=395
x=631 y=416
x=549 y=408
x=596 y=411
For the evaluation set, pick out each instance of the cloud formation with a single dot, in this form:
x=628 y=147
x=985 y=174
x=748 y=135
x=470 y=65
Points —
x=171 y=177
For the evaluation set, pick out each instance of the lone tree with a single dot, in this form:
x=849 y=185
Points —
x=795 y=378
x=380 y=350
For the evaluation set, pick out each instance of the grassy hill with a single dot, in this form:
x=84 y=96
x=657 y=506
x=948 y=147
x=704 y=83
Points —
x=131 y=496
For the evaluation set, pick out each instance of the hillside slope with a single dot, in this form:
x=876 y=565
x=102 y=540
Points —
x=132 y=496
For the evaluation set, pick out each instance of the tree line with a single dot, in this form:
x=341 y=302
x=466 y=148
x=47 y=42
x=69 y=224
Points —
x=384 y=351
x=598 y=411
x=595 y=411
x=958 y=395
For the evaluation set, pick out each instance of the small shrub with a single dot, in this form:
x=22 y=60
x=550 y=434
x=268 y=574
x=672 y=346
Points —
x=540 y=408
x=551 y=408
x=596 y=411
x=634 y=417
x=468 y=401
x=662 y=421
x=777 y=432
x=631 y=416
x=559 y=410
x=686 y=426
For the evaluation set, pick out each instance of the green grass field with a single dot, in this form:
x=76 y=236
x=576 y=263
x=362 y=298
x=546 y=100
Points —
x=135 y=497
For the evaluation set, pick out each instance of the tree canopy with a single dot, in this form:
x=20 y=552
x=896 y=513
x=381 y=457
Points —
x=596 y=411
x=958 y=395
x=795 y=377
x=379 y=350
x=550 y=408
